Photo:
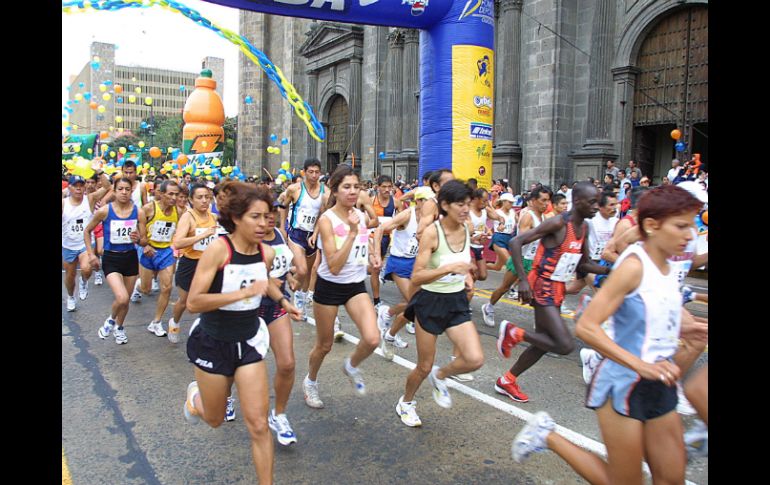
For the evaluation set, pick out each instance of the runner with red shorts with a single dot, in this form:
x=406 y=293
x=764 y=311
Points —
x=560 y=254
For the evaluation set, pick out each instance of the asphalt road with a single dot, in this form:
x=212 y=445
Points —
x=122 y=417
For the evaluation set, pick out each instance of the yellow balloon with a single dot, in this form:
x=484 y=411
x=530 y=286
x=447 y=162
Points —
x=106 y=96
x=78 y=96
x=102 y=88
x=277 y=151
x=138 y=90
x=112 y=154
x=132 y=99
x=148 y=101
x=69 y=164
x=146 y=165
x=104 y=147
x=96 y=59
x=170 y=149
x=65 y=149
x=133 y=79
x=90 y=151
x=118 y=119
x=75 y=127
x=122 y=150
x=109 y=169
x=65 y=123
x=141 y=144
x=209 y=177
x=101 y=108
x=207 y=170
x=216 y=162
x=83 y=168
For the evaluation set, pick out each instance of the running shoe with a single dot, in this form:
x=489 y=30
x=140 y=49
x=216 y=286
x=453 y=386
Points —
x=71 y=303
x=283 y=432
x=230 y=409
x=82 y=289
x=683 y=406
x=173 y=331
x=377 y=307
x=510 y=389
x=464 y=377
x=190 y=413
x=120 y=336
x=155 y=286
x=384 y=318
x=532 y=438
x=309 y=297
x=136 y=296
x=156 y=328
x=407 y=411
x=508 y=336
x=106 y=328
x=355 y=376
x=410 y=328
x=513 y=294
x=98 y=278
x=590 y=360
x=687 y=294
x=696 y=440
x=338 y=333
x=396 y=341
x=440 y=391
x=488 y=311
x=311 y=394
x=387 y=350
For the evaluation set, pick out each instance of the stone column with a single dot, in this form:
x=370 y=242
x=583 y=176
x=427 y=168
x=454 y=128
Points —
x=625 y=85
x=395 y=108
x=410 y=89
x=354 y=105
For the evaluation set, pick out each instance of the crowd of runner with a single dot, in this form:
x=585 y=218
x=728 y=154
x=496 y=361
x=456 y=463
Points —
x=248 y=260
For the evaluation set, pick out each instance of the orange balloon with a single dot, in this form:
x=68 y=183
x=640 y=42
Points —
x=162 y=170
x=118 y=88
x=705 y=217
x=92 y=105
x=103 y=135
x=154 y=152
x=182 y=159
x=676 y=134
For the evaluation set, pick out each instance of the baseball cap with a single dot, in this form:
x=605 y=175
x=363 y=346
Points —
x=423 y=193
x=507 y=196
x=76 y=179
x=694 y=188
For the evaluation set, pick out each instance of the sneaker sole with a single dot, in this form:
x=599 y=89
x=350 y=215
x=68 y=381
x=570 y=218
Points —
x=462 y=379
x=312 y=406
x=99 y=332
x=484 y=315
x=500 y=339
x=502 y=391
x=416 y=425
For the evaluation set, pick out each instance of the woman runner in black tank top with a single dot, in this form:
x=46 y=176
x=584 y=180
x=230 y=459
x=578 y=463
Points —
x=230 y=341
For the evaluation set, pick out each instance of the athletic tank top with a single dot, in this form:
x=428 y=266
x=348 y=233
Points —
x=404 y=241
x=479 y=224
x=528 y=251
x=384 y=214
x=648 y=321
x=117 y=230
x=136 y=195
x=510 y=221
x=452 y=282
x=200 y=226
x=74 y=220
x=239 y=320
x=681 y=265
x=282 y=259
x=161 y=228
x=560 y=263
x=599 y=232
x=630 y=219
x=354 y=270
x=306 y=210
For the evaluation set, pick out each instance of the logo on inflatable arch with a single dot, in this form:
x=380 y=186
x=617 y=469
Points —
x=482 y=170
x=483 y=66
x=484 y=9
x=418 y=6
x=483 y=105
x=481 y=131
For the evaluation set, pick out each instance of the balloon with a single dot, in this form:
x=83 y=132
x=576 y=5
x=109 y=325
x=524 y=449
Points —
x=119 y=99
x=163 y=170
x=131 y=98
x=705 y=217
x=273 y=137
x=118 y=119
x=92 y=105
x=141 y=144
x=112 y=154
x=286 y=165
x=143 y=125
x=169 y=149
x=181 y=88
x=118 y=88
x=382 y=155
x=81 y=85
x=108 y=82
x=207 y=170
x=269 y=149
x=155 y=152
x=148 y=101
x=680 y=146
x=102 y=87
x=103 y=135
x=249 y=100
x=277 y=151
x=216 y=162
x=83 y=168
x=104 y=147
x=87 y=95
x=122 y=150
x=65 y=149
x=138 y=90
x=676 y=134
x=182 y=159
x=101 y=108
x=131 y=147
x=78 y=96
x=106 y=96
x=284 y=141
x=95 y=65
x=146 y=165
x=90 y=151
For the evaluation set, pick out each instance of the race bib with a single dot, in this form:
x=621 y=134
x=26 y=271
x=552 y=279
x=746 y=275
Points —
x=237 y=276
x=531 y=249
x=203 y=243
x=358 y=253
x=306 y=219
x=411 y=247
x=566 y=267
x=508 y=225
x=281 y=261
x=664 y=320
x=221 y=231
x=77 y=227
x=162 y=231
x=120 y=231
x=598 y=250
x=681 y=268
x=449 y=259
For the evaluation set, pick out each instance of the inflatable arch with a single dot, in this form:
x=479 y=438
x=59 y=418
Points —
x=456 y=68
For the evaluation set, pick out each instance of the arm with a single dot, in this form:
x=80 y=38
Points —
x=335 y=258
x=285 y=199
x=365 y=203
x=700 y=260
x=149 y=213
x=427 y=216
x=141 y=225
x=607 y=300
x=198 y=300
x=181 y=240
x=401 y=219
x=420 y=274
x=98 y=217
x=550 y=226
x=615 y=246
x=407 y=197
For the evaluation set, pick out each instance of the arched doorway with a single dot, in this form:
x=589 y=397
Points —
x=672 y=91
x=337 y=132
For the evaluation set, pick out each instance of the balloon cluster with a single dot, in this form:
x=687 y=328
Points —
x=284 y=173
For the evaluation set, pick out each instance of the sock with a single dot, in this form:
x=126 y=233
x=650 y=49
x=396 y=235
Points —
x=388 y=336
x=508 y=377
x=376 y=301
x=307 y=379
x=349 y=367
x=172 y=322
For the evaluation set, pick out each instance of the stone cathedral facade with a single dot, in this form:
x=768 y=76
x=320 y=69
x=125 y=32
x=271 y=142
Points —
x=578 y=82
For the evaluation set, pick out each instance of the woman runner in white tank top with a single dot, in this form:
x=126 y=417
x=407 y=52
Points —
x=345 y=251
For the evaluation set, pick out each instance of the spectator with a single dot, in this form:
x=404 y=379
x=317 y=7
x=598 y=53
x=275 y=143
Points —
x=644 y=182
x=674 y=172
x=634 y=178
x=664 y=180
x=632 y=167
x=624 y=191
x=473 y=184
x=608 y=178
x=612 y=169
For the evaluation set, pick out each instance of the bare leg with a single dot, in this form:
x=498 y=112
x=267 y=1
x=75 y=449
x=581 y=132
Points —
x=664 y=449
x=211 y=400
x=697 y=392
x=282 y=343
x=165 y=276
x=360 y=308
x=117 y=284
x=405 y=288
x=300 y=263
x=145 y=280
x=252 y=383
x=314 y=262
x=467 y=351
x=324 y=337
x=509 y=279
x=85 y=267
x=502 y=257
x=71 y=270
x=180 y=305
x=426 y=355
x=375 y=281
x=552 y=335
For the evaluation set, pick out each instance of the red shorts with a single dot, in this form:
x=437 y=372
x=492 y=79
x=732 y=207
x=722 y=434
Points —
x=546 y=292
x=99 y=230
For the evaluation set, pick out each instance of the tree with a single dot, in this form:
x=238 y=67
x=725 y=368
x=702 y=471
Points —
x=167 y=132
x=231 y=139
x=126 y=140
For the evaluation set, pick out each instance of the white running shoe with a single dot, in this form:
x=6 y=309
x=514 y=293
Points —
x=513 y=295
x=384 y=318
x=464 y=377
x=407 y=411
x=309 y=298
x=280 y=424
x=377 y=308
x=106 y=328
x=531 y=439
x=410 y=328
x=190 y=413
x=683 y=406
x=355 y=376
x=173 y=331
x=591 y=360
x=120 y=336
x=696 y=440
x=312 y=398
x=440 y=391
x=396 y=341
x=98 y=278
x=338 y=333
x=387 y=350
x=136 y=296
x=82 y=289
x=156 y=328
x=71 y=303
x=155 y=286
x=230 y=409
x=488 y=311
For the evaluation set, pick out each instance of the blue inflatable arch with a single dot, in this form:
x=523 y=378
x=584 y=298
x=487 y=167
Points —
x=456 y=69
